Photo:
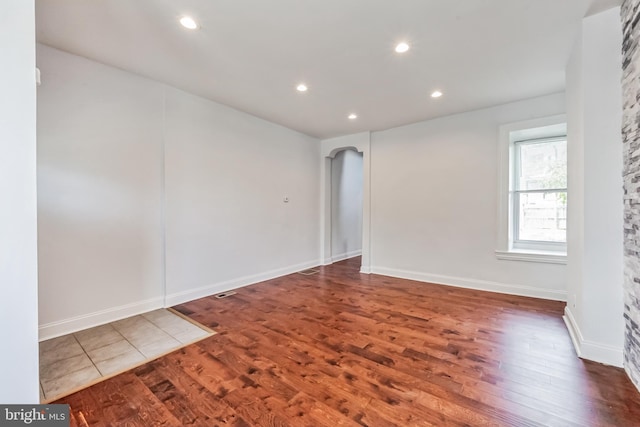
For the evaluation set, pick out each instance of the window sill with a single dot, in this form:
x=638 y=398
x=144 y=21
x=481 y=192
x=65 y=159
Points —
x=533 y=256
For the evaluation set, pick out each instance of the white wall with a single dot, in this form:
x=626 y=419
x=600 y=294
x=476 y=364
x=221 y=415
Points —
x=99 y=193
x=119 y=155
x=575 y=180
x=346 y=205
x=594 y=106
x=18 y=244
x=227 y=174
x=434 y=197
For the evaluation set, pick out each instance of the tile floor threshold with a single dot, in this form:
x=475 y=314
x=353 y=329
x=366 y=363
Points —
x=72 y=362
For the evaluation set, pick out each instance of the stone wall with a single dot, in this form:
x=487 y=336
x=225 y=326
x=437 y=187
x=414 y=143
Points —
x=630 y=13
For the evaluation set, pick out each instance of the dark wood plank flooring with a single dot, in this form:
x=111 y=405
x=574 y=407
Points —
x=344 y=348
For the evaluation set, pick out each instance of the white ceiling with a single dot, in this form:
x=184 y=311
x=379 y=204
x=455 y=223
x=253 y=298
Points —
x=250 y=54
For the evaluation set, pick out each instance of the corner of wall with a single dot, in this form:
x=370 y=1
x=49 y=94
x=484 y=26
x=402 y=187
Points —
x=593 y=315
x=630 y=15
x=585 y=349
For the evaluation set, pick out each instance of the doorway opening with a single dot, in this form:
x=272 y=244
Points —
x=346 y=205
x=358 y=144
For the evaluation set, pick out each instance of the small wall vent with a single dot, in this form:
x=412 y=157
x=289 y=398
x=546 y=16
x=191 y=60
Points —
x=224 y=294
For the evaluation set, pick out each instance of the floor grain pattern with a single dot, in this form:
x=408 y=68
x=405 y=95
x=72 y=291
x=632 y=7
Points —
x=344 y=348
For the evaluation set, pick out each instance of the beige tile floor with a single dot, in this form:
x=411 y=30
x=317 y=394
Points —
x=72 y=361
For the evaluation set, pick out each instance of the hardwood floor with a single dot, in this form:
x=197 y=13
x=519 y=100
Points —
x=344 y=348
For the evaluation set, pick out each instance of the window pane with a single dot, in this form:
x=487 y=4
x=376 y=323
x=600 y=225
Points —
x=543 y=216
x=542 y=165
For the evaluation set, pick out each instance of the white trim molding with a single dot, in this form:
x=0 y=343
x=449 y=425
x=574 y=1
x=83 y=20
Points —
x=527 y=256
x=216 y=288
x=591 y=350
x=346 y=255
x=85 y=321
x=468 y=283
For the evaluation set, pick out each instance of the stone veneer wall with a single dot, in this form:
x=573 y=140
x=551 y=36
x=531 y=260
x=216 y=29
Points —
x=630 y=14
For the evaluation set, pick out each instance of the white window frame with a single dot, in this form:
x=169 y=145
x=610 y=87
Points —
x=507 y=249
x=515 y=159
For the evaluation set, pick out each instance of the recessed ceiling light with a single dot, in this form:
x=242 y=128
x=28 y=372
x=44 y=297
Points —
x=302 y=87
x=353 y=116
x=188 y=22
x=436 y=94
x=402 y=47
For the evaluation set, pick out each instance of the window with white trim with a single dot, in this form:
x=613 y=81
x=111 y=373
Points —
x=532 y=210
x=539 y=193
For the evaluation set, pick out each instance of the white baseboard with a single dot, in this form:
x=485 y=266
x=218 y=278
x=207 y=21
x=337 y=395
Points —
x=591 y=350
x=365 y=269
x=216 y=288
x=78 y=323
x=482 y=285
x=574 y=330
x=346 y=255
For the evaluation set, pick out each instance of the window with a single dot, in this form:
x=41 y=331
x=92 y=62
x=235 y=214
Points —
x=532 y=209
x=539 y=194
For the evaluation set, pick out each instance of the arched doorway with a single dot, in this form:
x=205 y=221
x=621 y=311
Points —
x=346 y=205
x=361 y=144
